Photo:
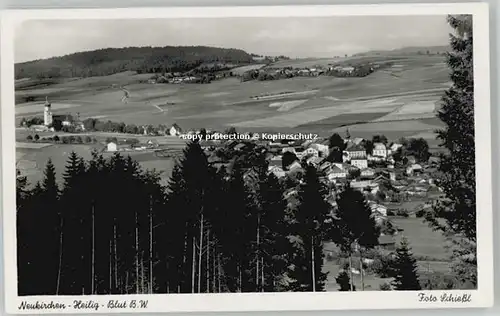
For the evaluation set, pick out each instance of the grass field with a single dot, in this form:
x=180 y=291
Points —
x=32 y=157
x=428 y=246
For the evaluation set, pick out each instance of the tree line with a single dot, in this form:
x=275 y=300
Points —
x=109 y=61
x=96 y=125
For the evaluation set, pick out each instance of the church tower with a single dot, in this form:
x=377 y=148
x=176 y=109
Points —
x=47 y=113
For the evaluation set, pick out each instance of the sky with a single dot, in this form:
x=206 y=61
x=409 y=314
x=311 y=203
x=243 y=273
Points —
x=295 y=37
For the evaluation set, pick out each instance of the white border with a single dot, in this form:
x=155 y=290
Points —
x=482 y=297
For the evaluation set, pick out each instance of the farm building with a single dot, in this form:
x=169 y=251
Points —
x=111 y=147
x=387 y=242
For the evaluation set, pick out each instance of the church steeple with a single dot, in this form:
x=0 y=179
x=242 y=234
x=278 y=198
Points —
x=47 y=113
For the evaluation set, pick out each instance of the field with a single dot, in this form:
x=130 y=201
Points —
x=398 y=101
x=426 y=244
x=32 y=157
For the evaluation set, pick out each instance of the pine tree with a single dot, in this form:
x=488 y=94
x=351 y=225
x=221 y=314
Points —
x=21 y=189
x=38 y=222
x=75 y=166
x=458 y=164
x=355 y=227
x=344 y=282
x=73 y=231
x=272 y=246
x=309 y=228
x=405 y=267
x=236 y=241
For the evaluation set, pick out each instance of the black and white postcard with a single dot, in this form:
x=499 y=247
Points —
x=246 y=158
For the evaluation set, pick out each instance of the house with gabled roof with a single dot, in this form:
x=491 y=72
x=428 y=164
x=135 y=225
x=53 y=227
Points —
x=356 y=151
x=379 y=150
x=315 y=161
x=336 y=173
x=367 y=172
x=277 y=171
x=175 y=130
x=322 y=149
x=359 y=163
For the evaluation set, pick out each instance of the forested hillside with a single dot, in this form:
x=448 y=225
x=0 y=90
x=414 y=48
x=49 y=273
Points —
x=141 y=59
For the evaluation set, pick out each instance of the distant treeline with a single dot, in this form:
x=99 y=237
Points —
x=109 y=61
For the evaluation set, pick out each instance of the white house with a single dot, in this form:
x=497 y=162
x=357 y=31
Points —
x=394 y=147
x=356 y=151
x=375 y=158
x=175 y=130
x=368 y=172
x=357 y=140
x=322 y=149
x=277 y=171
x=315 y=161
x=294 y=165
x=413 y=168
x=276 y=161
x=112 y=147
x=379 y=150
x=336 y=173
x=359 y=163
x=288 y=149
x=362 y=185
x=311 y=151
x=378 y=208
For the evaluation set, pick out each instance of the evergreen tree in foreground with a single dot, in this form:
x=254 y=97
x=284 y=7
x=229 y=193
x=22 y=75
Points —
x=355 y=228
x=344 y=282
x=458 y=164
x=309 y=230
x=405 y=268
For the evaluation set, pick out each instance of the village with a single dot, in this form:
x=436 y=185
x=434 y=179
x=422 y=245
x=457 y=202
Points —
x=395 y=180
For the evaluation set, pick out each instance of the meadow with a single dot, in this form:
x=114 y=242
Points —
x=426 y=244
x=399 y=101
x=32 y=157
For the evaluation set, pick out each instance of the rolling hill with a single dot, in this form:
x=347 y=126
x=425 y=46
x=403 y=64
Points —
x=110 y=61
x=410 y=50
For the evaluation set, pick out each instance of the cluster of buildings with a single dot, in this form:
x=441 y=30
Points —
x=356 y=160
x=49 y=120
x=376 y=174
x=314 y=71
